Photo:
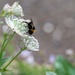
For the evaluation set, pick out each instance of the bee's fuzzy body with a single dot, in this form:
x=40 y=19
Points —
x=31 y=27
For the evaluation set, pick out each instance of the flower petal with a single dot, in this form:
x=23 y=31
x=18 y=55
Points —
x=31 y=43
x=15 y=9
x=17 y=24
x=7 y=8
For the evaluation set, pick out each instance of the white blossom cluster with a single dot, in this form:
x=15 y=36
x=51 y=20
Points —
x=31 y=43
x=15 y=9
x=19 y=25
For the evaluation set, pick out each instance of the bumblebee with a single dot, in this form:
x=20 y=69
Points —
x=30 y=26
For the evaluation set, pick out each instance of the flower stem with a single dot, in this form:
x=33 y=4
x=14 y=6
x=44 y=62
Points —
x=12 y=60
x=3 y=43
x=8 y=40
x=4 y=46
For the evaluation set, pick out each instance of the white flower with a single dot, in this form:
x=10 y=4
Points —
x=5 y=29
x=18 y=25
x=15 y=9
x=31 y=43
x=7 y=8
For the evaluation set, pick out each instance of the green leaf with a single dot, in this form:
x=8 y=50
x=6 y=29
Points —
x=3 y=55
x=50 y=73
x=6 y=59
x=3 y=59
x=63 y=66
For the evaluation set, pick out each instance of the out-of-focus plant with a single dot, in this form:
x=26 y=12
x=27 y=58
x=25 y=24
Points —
x=63 y=67
x=23 y=68
x=20 y=26
x=50 y=73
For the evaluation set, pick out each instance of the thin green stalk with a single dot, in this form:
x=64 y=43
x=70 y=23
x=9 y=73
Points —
x=9 y=40
x=2 y=50
x=12 y=60
x=5 y=36
x=2 y=46
x=3 y=43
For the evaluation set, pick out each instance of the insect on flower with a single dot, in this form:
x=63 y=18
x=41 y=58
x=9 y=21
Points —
x=30 y=26
x=19 y=25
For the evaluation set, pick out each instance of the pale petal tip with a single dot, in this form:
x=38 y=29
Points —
x=6 y=7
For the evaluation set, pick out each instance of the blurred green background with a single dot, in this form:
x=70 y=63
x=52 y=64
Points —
x=55 y=30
